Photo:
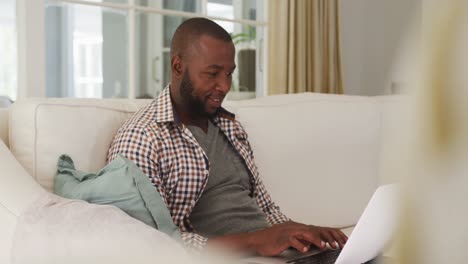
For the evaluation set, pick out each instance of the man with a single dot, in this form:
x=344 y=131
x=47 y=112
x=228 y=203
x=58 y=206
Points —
x=199 y=159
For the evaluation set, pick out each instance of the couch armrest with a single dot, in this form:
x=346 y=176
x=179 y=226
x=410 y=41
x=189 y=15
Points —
x=17 y=188
x=4 y=125
x=7 y=229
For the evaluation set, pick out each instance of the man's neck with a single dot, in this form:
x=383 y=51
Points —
x=199 y=122
x=187 y=117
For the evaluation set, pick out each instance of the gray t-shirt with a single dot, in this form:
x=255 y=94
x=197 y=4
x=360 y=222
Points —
x=226 y=205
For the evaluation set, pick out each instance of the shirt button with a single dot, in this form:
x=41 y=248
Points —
x=206 y=172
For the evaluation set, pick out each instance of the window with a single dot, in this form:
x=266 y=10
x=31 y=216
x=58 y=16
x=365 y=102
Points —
x=8 y=49
x=120 y=48
x=86 y=51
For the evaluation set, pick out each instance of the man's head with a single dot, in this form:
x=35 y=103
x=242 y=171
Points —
x=202 y=62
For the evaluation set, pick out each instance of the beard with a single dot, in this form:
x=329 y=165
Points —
x=194 y=104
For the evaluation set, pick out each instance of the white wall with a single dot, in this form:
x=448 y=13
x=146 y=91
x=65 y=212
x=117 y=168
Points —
x=371 y=33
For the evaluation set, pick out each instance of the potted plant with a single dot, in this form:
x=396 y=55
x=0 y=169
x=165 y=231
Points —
x=245 y=43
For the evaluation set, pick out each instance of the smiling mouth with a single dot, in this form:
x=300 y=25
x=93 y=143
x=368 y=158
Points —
x=216 y=99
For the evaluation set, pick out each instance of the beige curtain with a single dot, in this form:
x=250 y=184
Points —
x=304 y=47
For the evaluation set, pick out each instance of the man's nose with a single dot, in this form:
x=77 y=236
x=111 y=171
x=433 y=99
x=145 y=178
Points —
x=224 y=84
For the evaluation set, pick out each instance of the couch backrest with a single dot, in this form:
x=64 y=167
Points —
x=318 y=155
x=4 y=125
x=43 y=129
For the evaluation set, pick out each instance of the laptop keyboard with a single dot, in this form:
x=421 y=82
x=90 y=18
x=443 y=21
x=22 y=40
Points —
x=326 y=257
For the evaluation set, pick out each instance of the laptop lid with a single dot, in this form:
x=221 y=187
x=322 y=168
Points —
x=373 y=231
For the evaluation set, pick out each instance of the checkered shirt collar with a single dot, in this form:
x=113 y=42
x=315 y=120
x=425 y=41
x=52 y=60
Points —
x=167 y=113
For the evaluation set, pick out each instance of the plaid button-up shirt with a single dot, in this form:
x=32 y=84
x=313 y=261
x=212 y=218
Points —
x=166 y=151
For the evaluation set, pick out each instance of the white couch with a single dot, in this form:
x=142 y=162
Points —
x=319 y=155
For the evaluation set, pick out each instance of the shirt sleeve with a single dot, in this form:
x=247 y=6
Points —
x=194 y=242
x=272 y=211
x=136 y=145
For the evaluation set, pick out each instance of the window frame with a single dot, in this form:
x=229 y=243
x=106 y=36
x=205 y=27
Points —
x=31 y=41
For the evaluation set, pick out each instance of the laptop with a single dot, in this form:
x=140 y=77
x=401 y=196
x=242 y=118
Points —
x=372 y=233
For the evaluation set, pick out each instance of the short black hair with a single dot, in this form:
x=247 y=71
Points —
x=192 y=29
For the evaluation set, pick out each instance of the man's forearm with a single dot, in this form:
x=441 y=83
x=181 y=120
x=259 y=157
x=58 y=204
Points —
x=243 y=242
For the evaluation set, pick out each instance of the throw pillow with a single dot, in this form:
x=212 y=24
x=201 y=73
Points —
x=122 y=184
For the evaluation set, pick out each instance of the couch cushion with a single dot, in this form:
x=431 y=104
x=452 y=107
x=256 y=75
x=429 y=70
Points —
x=58 y=230
x=43 y=129
x=317 y=154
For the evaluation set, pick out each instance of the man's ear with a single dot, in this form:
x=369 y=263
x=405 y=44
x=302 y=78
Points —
x=176 y=66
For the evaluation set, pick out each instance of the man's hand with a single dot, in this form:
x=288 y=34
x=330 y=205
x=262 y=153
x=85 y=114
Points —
x=274 y=240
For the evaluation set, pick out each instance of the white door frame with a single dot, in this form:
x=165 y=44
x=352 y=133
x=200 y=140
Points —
x=31 y=48
x=154 y=60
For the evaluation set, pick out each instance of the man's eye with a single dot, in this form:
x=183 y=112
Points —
x=212 y=74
